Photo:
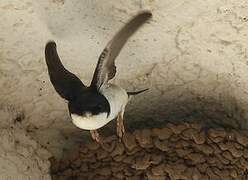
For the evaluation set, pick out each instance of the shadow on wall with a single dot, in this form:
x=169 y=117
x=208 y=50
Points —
x=211 y=98
x=205 y=110
x=222 y=109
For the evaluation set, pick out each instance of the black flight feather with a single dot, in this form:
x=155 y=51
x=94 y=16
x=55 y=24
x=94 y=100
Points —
x=106 y=69
x=65 y=83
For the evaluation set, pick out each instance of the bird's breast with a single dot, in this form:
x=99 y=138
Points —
x=92 y=122
x=117 y=98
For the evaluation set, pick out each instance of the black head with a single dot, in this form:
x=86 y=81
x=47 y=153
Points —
x=90 y=101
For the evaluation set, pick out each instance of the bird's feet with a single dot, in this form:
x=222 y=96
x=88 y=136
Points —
x=120 y=126
x=95 y=135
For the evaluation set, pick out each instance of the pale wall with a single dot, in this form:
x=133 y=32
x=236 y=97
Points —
x=192 y=55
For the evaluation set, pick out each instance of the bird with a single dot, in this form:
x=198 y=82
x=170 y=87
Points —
x=92 y=107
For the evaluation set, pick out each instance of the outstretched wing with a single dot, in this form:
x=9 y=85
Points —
x=65 y=83
x=106 y=69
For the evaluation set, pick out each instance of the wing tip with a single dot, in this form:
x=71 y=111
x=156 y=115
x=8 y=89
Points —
x=50 y=44
x=50 y=48
x=50 y=52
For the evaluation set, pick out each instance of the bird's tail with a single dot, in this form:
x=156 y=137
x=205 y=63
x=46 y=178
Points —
x=136 y=92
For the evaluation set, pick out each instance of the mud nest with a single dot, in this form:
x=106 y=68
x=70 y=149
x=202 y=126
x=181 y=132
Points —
x=177 y=151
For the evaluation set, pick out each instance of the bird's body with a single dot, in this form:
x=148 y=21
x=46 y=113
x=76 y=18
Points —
x=93 y=107
x=117 y=98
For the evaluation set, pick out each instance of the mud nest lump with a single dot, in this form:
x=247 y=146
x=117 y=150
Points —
x=176 y=151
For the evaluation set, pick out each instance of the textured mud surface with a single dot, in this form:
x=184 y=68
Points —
x=176 y=151
x=21 y=157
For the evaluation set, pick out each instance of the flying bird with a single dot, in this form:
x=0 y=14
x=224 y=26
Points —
x=92 y=107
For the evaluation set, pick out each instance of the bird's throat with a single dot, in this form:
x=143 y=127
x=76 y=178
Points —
x=90 y=123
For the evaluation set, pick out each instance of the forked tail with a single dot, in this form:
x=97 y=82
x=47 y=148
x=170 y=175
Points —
x=136 y=92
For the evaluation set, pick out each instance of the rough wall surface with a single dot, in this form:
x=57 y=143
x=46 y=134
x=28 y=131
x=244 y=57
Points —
x=21 y=156
x=192 y=55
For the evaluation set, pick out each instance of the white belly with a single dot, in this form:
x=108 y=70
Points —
x=117 y=98
x=90 y=123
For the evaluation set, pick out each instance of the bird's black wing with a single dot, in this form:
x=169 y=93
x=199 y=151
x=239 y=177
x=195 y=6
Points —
x=65 y=83
x=106 y=69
